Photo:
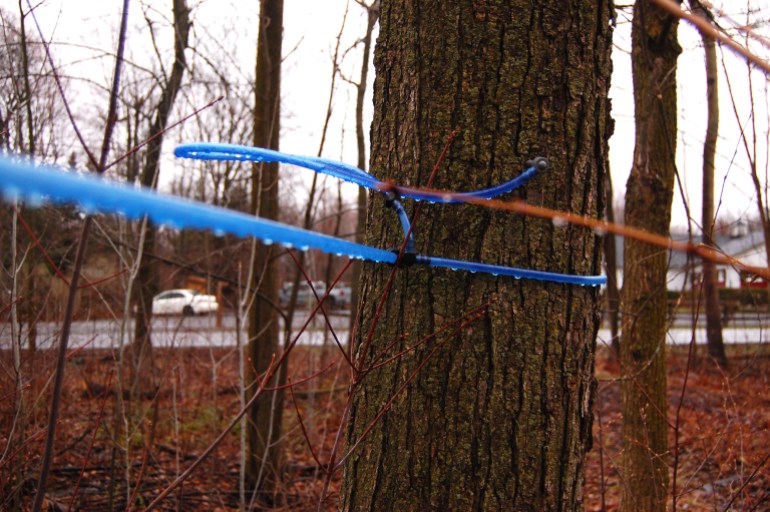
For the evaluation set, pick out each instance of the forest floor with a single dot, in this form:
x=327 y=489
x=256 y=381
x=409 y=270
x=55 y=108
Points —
x=719 y=435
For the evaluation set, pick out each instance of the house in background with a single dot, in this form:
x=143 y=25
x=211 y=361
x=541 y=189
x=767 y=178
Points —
x=743 y=242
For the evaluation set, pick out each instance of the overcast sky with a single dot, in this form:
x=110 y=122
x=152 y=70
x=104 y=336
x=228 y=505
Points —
x=311 y=27
x=732 y=177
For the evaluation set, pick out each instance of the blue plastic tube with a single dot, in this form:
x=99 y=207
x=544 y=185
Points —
x=34 y=183
x=349 y=173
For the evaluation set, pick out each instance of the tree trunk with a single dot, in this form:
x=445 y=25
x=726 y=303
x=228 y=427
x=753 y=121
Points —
x=147 y=279
x=500 y=416
x=372 y=15
x=715 y=343
x=263 y=459
x=649 y=192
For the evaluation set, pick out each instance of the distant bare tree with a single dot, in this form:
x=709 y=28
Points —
x=264 y=418
x=147 y=279
x=715 y=343
x=372 y=15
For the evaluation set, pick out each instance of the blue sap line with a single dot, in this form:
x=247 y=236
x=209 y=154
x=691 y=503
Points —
x=35 y=184
x=233 y=152
x=517 y=273
x=349 y=173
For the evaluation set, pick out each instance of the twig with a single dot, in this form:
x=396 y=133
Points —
x=747 y=481
x=706 y=28
x=139 y=478
x=162 y=132
x=269 y=373
x=401 y=251
x=60 y=87
x=471 y=315
x=398 y=392
x=323 y=299
x=598 y=225
x=291 y=385
x=304 y=430
x=79 y=259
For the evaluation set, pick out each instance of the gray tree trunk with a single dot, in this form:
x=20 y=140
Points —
x=714 y=341
x=263 y=460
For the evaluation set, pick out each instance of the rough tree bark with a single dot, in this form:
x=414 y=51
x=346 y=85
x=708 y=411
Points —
x=500 y=417
x=649 y=192
x=263 y=459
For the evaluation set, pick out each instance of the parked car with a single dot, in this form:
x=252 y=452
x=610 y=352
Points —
x=339 y=297
x=184 y=302
x=342 y=295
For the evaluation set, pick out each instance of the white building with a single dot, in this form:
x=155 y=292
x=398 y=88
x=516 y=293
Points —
x=742 y=243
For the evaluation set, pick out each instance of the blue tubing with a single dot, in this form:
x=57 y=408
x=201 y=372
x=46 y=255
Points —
x=518 y=273
x=349 y=173
x=211 y=151
x=35 y=184
x=406 y=225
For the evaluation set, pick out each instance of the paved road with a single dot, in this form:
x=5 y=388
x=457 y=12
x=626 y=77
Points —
x=176 y=331
x=744 y=327
x=203 y=331
x=684 y=335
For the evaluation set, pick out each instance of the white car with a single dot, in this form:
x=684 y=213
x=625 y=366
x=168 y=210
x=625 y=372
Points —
x=183 y=302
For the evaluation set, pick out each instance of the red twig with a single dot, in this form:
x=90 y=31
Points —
x=10 y=304
x=473 y=314
x=391 y=276
x=303 y=379
x=304 y=430
x=160 y=133
x=322 y=299
x=72 y=353
x=34 y=437
x=680 y=404
x=747 y=481
x=139 y=478
x=60 y=87
x=91 y=284
x=7 y=396
x=269 y=373
x=37 y=243
x=266 y=377
x=47 y=257
x=375 y=320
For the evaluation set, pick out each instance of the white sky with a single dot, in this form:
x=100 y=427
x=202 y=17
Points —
x=311 y=27
x=732 y=176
